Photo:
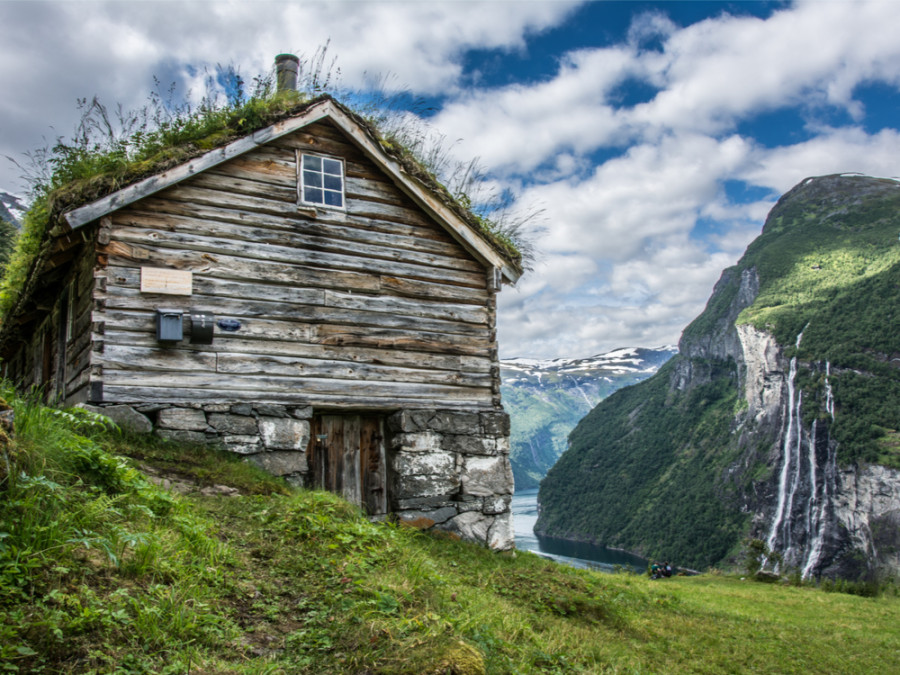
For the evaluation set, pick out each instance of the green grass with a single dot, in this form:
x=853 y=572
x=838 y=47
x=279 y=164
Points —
x=102 y=572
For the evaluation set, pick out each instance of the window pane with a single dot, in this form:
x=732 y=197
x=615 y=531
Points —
x=322 y=180
x=311 y=179
x=333 y=167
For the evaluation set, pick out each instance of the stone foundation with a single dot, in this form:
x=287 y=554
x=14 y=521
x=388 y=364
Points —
x=273 y=437
x=447 y=470
x=451 y=471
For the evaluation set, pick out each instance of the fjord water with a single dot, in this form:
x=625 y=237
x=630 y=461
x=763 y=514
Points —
x=576 y=554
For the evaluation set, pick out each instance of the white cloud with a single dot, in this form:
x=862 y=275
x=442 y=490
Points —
x=845 y=150
x=52 y=53
x=644 y=215
x=638 y=221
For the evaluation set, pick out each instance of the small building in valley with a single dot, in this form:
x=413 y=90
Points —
x=304 y=296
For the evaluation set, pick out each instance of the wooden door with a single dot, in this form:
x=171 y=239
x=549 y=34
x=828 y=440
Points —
x=347 y=457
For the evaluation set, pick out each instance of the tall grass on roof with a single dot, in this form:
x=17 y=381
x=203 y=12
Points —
x=112 y=149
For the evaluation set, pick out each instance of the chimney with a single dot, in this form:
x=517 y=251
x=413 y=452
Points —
x=286 y=67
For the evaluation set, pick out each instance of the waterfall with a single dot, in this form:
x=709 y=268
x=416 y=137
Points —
x=790 y=468
x=819 y=521
x=811 y=511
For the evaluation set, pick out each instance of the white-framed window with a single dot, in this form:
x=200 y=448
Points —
x=321 y=180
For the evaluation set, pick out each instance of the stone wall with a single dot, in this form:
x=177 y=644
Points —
x=273 y=437
x=447 y=470
x=451 y=471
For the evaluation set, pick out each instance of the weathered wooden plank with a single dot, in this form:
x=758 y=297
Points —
x=156 y=359
x=122 y=278
x=165 y=214
x=323 y=334
x=266 y=168
x=187 y=192
x=126 y=281
x=78 y=380
x=130 y=299
x=358 y=188
x=417 y=232
x=169 y=394
x=177 y=361
x=227 y=342
x=373 y=465
x=191 y=193
x=76 y=351
x=420 y=308
x=275 y=383
x=77 y=396
x=354 y=336
x=356 y=261
x=373 y=245
x=231 y=267
x=317 y=140
x=352 y=485
x=231 y=184
x=256 y=364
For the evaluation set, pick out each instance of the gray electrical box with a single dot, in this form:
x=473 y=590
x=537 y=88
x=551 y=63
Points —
x=169 y=325
x=202 y=328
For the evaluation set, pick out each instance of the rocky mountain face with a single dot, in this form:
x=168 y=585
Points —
x=11 y=208
x=545 y=399
x=779 y=417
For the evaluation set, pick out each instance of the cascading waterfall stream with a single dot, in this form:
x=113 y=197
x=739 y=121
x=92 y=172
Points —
x=790 y=467
x=828 y=487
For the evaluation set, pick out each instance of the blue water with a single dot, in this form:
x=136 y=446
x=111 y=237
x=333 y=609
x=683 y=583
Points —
x=576 y=554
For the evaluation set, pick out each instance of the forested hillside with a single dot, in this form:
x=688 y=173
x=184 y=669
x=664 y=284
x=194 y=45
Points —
x=784 y=400
x=546 y=399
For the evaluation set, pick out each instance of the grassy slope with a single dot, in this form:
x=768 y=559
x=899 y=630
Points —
x=100 y=571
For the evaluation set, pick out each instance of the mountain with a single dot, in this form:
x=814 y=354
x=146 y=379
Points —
x=546 y=399
x=779 y=417
x=11 y=212
x=11 y=208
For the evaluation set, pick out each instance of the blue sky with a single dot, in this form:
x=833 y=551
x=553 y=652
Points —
x=653 y=136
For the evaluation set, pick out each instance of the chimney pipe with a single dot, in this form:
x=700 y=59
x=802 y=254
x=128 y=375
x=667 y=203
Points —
x=286 y=68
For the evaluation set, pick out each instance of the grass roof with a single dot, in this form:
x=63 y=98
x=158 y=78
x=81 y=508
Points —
x=98 y=162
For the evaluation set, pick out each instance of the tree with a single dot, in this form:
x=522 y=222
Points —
x=8 y=235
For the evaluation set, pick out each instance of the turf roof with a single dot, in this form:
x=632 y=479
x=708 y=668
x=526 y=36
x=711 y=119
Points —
x=84 y=175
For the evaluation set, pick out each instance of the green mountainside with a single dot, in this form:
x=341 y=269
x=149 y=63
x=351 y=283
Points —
x=137 y=556
x=686 y=464
x=546 y=399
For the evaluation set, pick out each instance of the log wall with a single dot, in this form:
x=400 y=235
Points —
x=53 y=349
x=373 y=307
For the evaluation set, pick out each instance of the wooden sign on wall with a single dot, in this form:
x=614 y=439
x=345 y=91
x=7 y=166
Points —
x=170 y=282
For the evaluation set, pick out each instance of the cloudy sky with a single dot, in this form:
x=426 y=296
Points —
x=654 y=136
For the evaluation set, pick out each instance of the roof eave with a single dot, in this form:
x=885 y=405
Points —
x=128 y=195
x=326 y=108
x=424 y=196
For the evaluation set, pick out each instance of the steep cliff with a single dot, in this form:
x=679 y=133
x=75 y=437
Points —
x=779 y=417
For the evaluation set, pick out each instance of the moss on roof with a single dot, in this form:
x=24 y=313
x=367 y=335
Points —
x=83 y=173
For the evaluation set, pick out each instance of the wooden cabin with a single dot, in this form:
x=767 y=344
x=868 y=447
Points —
x=298 y=296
